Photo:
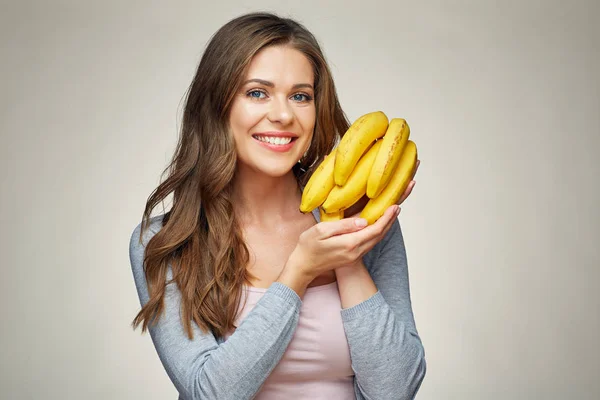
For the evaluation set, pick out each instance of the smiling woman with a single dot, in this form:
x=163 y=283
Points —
x=276 y=94
x=244 y=296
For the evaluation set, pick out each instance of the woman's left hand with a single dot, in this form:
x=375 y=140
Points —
x=357 y=207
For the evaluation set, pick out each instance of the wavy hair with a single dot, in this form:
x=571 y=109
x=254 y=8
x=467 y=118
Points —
x=200 y=238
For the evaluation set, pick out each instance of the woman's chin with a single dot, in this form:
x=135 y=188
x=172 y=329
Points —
x=277 y=173
x=274 y=171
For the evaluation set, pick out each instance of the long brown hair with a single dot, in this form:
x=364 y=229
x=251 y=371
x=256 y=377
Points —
x=200 y=239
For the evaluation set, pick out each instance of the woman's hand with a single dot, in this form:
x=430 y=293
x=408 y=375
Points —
x=329 y=245
x=335 y=244
x=357 y=207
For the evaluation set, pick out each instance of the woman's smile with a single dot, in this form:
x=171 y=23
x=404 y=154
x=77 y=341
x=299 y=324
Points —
x=276 y=141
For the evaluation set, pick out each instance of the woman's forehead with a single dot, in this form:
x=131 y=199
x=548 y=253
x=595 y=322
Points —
x=280 y=65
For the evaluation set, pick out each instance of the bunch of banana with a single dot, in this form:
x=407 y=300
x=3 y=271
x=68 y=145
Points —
x=374 y=157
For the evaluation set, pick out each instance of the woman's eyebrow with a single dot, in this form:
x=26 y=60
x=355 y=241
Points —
x=271 y=84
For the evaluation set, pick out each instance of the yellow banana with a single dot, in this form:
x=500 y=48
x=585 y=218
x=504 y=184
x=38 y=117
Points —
x=388 y=157
x=361 y=134
x=342 y=197
x=390 y=195
x=336 y=216
x=319 y=185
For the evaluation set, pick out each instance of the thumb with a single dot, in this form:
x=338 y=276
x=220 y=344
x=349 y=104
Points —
x=332 y=228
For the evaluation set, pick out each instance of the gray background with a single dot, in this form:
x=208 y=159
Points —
x=502 y=229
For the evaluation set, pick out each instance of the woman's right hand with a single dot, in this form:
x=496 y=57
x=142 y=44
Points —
x=329 y=245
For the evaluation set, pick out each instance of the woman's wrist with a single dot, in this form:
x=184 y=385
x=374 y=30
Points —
x=348 y=268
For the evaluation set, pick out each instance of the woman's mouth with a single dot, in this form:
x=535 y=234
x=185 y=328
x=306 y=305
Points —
x=277 y=143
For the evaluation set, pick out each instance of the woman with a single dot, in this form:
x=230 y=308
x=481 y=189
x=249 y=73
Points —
x=243 y=295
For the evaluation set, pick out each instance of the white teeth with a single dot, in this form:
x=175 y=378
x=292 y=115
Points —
x=274 y=140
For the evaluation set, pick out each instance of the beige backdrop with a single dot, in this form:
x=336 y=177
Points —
x=502 y=230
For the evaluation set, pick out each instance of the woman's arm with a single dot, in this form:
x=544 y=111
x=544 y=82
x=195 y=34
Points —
x=387 y=355
x=202 y=368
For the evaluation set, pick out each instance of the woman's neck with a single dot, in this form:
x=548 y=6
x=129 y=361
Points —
x=261 y=199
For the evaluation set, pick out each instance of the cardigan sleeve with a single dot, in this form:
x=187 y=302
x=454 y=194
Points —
x=387 y=355
x=203 y=368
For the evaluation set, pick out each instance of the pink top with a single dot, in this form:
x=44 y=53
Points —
x=316 y=364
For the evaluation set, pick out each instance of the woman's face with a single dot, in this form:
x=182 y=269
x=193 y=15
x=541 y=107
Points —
x=273 y=115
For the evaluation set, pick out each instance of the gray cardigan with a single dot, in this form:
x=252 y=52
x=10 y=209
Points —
x=387 y=355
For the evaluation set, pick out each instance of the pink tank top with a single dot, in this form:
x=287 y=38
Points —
x=316 y=364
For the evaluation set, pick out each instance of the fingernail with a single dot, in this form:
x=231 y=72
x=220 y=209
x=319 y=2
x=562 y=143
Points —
x=360 y=222
x=397 y=210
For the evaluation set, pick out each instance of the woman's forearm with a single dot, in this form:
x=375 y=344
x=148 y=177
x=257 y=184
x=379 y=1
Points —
x=355 y=284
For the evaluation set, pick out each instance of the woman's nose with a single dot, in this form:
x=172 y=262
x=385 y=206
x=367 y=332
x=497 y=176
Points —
x=280 y=111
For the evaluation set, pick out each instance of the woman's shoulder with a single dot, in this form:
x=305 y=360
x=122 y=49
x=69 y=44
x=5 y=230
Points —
x=137 y=246
x=139 y=240
x=154 y=225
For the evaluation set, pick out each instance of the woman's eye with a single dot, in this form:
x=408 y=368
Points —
x=255 y=94
x=301 y=97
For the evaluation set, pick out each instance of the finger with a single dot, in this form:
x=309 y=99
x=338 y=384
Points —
x=369 y=244
x=407 y=192
x=387 y=221
x=375 y=229
x=328 y=229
